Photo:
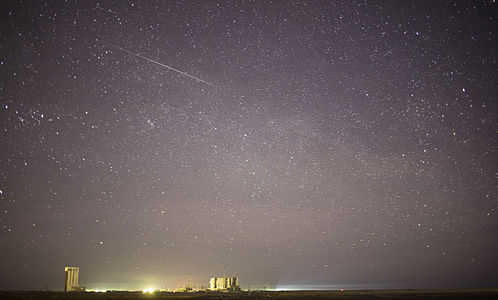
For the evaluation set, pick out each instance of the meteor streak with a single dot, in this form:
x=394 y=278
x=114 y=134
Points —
x=163 y=65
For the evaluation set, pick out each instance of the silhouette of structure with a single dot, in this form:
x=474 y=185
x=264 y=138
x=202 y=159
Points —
x=71 y=283
x=224 y=284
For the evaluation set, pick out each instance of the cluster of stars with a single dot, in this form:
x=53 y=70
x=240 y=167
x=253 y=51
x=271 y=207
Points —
x=338 y=141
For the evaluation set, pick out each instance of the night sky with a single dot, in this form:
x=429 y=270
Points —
x=323 y=144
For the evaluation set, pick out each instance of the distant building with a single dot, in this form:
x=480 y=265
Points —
x=71 y=282
x=185 y=289
x=224 y=284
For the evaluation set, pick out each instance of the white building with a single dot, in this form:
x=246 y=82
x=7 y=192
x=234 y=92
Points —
x=71 y=282
x=224 y=284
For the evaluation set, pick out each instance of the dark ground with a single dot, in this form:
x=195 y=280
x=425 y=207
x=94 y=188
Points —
x=294 y=295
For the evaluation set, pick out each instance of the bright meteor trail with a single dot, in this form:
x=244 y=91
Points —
x=162 y=65
x=346 y=145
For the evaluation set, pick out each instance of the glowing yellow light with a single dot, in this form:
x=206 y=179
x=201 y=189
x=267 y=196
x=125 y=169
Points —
x=149 y=291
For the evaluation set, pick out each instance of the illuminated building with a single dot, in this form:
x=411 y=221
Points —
x=224 y=284
x=71 y=282
x=185 y=289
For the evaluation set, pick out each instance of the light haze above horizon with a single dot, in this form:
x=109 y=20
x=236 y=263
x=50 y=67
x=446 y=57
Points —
x=291 y=144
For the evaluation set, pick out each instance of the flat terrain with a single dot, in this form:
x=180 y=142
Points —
x=291 y=295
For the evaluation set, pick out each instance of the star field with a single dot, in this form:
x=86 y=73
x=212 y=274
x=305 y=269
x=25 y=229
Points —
x=343 y=143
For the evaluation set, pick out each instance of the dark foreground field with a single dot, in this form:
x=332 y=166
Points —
x=291 y=295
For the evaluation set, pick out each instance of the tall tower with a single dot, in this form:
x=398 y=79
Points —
x=71 y=282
